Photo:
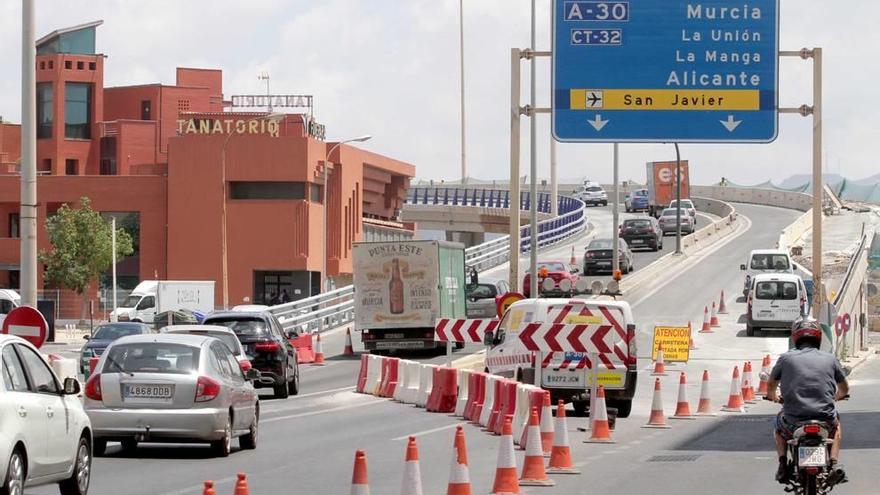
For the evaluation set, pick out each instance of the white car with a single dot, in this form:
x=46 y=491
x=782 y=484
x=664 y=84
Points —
x=688 y=206
x=592 y=194
x=46 y=435
x=776 y=300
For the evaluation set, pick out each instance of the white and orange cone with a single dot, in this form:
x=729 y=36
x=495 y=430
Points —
x=359 y=484
x=735 y=400
x=704 y=408
x=707 y=328
x=573 y=259
x=319 y=352
x=748 y=390
x=560 y=454
x=659 y=364
x=412 y=476
x=349 y=350
x=209 y=488
x=601 y=429
x=533 y=473
x=459 y=475
x=713 y=319
x=657 y=419
x=722 y=308
x=506 y=480
x=547 y=427
x=682 y=407
x=765 y=375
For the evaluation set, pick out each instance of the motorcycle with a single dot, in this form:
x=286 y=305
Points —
x=809 y=460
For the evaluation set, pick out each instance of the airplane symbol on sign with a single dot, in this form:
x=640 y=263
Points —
x=594 y=99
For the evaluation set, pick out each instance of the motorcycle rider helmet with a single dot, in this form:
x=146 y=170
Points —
x=804 y=329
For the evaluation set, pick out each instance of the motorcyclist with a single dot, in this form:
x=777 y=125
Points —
x=811 y=381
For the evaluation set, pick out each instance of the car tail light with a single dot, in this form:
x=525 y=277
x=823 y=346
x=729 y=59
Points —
x=813 y=429
x=245 y=365
x=367 y=336
x=206 y=389
x=267 y=346
x=93 y=387
x=631 y=349
x=429 y=334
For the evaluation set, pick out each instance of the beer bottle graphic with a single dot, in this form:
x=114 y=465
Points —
x=395 y=288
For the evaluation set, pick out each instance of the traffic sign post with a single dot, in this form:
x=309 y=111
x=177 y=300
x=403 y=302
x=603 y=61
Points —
x=27 y=323
x=665 y=70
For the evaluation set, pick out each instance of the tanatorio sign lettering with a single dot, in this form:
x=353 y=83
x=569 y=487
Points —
x=676 y=342
x=227 y=126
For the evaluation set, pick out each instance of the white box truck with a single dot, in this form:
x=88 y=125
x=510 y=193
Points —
x=154 y=297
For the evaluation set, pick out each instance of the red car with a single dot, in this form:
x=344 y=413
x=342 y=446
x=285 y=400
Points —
x=564 y=276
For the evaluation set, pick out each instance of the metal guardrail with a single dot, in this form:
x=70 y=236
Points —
x=335 y=308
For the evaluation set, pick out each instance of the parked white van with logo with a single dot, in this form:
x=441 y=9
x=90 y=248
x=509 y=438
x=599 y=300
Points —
x=566 y=374
x=776 y=300
x=765 y=261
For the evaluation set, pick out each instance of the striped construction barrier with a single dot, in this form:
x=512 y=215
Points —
x=390 y=369
x=463 y=379
x=444 y=390
x=426 y=377
x=488 y=401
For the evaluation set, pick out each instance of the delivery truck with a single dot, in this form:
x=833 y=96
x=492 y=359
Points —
x=401 y=289
x=154 y=297
x=662 y=184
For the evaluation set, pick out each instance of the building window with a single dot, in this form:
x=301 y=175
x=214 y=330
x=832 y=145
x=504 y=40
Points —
x=14 y=224
x=93 y=66
x=108 y=166
x=71 y=167
x=44 y=110
x=183 y=105
x=51 y=65
x=42 y=65
x=267 y=190
x=47 y=166
x=68 y=64
x=79 y=65
x=316 y=195
x=146 y=107
x=77 y=110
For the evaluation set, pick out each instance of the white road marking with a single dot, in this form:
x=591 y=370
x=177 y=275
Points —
x=427 y=432
x=322 y=411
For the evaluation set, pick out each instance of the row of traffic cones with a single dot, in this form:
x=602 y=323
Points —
x=319 y=348
x=710 y=319
x=241 y=486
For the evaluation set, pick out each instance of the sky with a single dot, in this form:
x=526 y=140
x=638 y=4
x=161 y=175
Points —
x=390 y=68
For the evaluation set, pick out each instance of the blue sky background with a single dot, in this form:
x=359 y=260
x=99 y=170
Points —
x=390 y=68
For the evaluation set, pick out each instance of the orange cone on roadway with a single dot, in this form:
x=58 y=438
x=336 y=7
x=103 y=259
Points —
x=707 y=328
x=560 y=454
x=506 y=481
x=241 y=485
x=704 y=408
x=319 y=352
x=659 y=365
x=657 y=419
x=735 y=400
x=209 y=488
x=601 y=429
x=748 y=390
x=713 y=320
x=547 y=427
x=722 y=308
x=412 y=476
x=682 y=408
x=765 y=375
x=533 y=473
x=459 y=475
x=359 y=484
x=349 y=350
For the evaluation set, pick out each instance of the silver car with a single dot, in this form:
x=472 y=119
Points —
x=171 y=388
x=482 y=298
x=223 y=334
x=667 y=221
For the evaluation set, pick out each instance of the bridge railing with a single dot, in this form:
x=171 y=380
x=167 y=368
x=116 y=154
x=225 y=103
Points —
x=313 y=314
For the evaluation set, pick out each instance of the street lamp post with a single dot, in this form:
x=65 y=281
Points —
x=275 y=117
x=358 y=139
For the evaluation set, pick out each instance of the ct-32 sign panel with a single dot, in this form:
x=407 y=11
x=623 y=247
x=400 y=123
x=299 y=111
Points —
x=665 y=70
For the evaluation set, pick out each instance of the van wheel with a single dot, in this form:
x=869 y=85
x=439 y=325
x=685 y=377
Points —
x=624 y=407
x=580 y=407
x=526 y=376
x=99 y=447
x=750 y=330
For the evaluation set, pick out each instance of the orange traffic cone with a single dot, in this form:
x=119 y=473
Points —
x=546 y=426
x=722 y=308
x=707 y=327
x=735 y=400
x=748 y=391
x=659 y=365
x=459 y=475
x=601 y=430
x=704 y=408
x=533 y=473
x=713 y=320
x=657 y=419
x=209 y=488
x=349 y=350
x=573 y=259
x=560 y=454
x=412 y=476
x=319 y=352
x=241 y=485
x=359 y=484
x=506 y=481
x=765 y=375
x=682 y=408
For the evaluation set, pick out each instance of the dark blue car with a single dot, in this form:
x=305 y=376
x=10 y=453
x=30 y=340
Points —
x=103 y=336
x=636 y=201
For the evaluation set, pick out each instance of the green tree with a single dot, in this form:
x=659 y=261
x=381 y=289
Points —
x=81 y=246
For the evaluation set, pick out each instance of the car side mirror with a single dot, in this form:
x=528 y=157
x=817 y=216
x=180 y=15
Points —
x=86 y=337
x=488 y=337
x=291 y=334
x=575 y=269
x=742 y=267
x=252 y=374
x=71 y=386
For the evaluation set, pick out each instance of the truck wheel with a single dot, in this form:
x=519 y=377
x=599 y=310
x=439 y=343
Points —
x=527 y=376
x=459 y=345
x=750 y=330
x=379 y=352
x=580 y=407
x=624 y=407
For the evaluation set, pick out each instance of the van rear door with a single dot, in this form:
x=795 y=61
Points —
x=776 y=300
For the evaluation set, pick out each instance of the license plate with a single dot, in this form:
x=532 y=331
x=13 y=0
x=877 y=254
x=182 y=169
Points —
x=147 y=391
x=637 y=241
x=417 y=344
x=393 y=335
x=604 y=263
x=563 y=378
x=812 y=456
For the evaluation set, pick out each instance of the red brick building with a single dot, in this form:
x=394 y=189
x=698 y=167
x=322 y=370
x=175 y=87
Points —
x=152 y=155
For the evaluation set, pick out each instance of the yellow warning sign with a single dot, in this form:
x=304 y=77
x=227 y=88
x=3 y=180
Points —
x=608 y=379
x=583 y=320
x=676 y=342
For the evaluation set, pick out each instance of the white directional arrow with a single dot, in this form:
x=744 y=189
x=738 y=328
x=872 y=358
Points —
x=598 y=123
x=730 y=124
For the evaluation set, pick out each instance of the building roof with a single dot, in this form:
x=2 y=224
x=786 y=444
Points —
x=71 y=29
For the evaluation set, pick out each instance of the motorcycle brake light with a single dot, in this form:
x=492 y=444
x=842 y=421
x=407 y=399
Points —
x=812 y=470
x=811 y=429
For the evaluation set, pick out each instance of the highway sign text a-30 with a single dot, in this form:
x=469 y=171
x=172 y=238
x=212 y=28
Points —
x=665 y=70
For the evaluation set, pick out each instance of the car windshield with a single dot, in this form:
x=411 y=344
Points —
x=637 y=224
x=594 y=189
x=685 y=203
x=641 y=192
x=130 y=301
x=669 y=212
x=152 y=357
x=113 y=332
x=481 y=291
x=600 y=244
x=769 y=262
x=552 y=266
x=229 y=339
x=242 y=327
x=776 y=290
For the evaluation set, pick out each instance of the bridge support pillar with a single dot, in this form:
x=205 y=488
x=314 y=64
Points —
x=469 y=239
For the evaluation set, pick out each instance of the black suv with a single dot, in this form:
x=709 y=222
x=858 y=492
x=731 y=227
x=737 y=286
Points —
x=642 y=232
x=266 y=347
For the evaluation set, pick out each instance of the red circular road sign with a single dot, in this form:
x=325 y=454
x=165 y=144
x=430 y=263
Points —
x=506 y=300
x=27 y=323
x=846 y=322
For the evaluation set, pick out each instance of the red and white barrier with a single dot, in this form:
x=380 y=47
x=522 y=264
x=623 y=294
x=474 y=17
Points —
x=464 y=378
x=464 y=331
x=426 y=379
x=488 y=400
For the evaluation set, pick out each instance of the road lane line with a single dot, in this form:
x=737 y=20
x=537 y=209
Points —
x=427 y=432
x=322 y=411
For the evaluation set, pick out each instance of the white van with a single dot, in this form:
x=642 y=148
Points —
x=9 y=300
x=765 y=261
x=567 y=375
x=776 y=300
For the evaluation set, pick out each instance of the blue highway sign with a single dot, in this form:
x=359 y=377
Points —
x=665 y=71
